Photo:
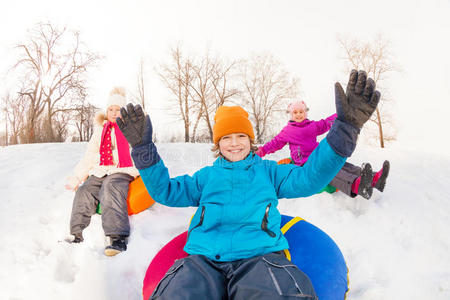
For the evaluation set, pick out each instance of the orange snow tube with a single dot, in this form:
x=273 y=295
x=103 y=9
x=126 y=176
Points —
x=284 y=161
x=138 y=198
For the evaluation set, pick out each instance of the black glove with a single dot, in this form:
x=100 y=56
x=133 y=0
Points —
x=360 y=100
x=137 y=129
x=132 y=124
x=353 y=108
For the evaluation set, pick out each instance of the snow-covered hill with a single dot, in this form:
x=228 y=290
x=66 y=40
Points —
x=396 y=245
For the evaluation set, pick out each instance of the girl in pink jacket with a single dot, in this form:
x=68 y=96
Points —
x=301 y=135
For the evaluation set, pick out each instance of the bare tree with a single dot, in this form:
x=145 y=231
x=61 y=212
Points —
x=177 y=76
x=223 y=80
x=61 y=121
x=199 y=86
x=83 y=116
x=202 y=90
x=139 y=96
x=52 y=64
x=266 y=86
x=375 y=59
x=14 y=108
x=4 y=108
x=199 y=112
x=211 y=87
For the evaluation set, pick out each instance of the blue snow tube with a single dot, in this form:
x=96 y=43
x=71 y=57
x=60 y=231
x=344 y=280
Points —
x=318 y=256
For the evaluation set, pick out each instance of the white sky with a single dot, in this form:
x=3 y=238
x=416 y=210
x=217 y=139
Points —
x=301 y=34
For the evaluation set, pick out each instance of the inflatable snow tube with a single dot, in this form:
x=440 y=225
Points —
x=318 y=256
x=163 y=260
x=311 y=249
x=138 y=198
x=329 y=189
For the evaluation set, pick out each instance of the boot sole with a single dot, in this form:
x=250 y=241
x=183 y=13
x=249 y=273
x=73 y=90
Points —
x=381 y=183
x=366 y=182
x=112 y=252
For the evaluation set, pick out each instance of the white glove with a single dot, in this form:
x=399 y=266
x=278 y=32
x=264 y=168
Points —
x=72 y=183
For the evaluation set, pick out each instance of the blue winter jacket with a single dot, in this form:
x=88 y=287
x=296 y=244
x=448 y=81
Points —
x=237 y=216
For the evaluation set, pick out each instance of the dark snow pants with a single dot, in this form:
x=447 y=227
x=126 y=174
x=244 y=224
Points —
x=267 y=277
x=344 y=179
x=111 y=192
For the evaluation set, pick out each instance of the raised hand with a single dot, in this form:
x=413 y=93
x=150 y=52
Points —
x=356 y=105
x=137 y=129
x=135 y=126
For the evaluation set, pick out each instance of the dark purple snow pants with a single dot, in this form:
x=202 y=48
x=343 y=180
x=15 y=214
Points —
x=344 y=179
x=111 y=192
x=266 y=277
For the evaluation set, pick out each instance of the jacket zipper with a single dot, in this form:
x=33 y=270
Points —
x=265 y=221
x=202 y=215
x=299 y=153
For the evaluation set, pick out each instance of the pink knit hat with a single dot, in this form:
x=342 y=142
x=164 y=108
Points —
x=297 y=105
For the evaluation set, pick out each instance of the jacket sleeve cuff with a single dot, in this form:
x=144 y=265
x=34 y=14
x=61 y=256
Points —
x=145 y=156
x=342 y=138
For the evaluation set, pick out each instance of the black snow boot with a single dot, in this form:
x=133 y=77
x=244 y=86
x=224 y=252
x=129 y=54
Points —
x=379 y=178
x=118 y=245
x=365 y=188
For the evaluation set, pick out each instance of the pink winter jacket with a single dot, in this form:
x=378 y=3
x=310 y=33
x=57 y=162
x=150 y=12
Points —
x=302 y=138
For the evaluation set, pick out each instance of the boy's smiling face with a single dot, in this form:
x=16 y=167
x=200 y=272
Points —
x=234 y=146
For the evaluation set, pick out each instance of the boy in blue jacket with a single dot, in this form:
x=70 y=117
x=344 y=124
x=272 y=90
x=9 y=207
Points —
x=234 y=239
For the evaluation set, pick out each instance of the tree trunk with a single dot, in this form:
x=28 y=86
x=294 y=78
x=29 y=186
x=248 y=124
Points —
x=258 y=137
x=186 y=132
x=30 y=134
x=209 y=126
x=50 y=134
x=80 y=132
x=14 y=140
x=49 y=130
x=194 y=130
x=380 y=128
x=6 y=128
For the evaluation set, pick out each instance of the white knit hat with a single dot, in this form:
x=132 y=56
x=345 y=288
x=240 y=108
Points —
x=116 y=97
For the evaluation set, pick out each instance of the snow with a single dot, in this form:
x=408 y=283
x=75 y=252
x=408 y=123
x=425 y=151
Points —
x=396 y=245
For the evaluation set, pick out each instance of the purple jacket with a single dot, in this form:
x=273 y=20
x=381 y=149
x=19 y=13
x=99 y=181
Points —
x=302 y=138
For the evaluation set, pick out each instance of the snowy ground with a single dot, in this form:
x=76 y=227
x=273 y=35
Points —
x=396 y=245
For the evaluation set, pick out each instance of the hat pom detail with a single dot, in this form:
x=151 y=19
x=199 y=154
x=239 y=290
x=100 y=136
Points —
x=116 y=97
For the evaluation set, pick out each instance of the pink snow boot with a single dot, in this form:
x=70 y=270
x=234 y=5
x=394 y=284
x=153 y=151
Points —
x=379 y=178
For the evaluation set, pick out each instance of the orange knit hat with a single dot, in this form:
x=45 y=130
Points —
x=231 y=119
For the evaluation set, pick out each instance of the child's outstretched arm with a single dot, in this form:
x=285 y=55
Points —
x=273 y=145
x=324 y=125
x=137 y=129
